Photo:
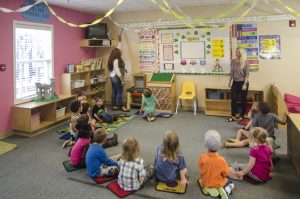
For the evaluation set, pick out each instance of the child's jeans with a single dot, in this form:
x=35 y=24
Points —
x=106 y=117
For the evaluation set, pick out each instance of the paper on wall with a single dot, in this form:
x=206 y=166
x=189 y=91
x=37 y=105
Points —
x=128 y=74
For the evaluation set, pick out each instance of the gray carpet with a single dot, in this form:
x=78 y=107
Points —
x=34 y=169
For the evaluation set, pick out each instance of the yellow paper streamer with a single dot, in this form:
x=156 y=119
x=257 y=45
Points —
x=295 y=12
x=199 y=20
x=84 y=25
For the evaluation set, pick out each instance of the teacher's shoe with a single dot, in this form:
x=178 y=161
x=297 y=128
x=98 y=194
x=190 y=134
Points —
x=231 y=119
x=124 y=109
x=115 y=108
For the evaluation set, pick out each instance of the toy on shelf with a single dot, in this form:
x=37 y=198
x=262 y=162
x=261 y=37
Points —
x=163 y=88
x=45 y=91
x=134 y=94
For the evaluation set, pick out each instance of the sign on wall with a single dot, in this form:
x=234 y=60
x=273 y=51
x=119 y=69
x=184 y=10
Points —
x=148 y=50
x=38 y=13
x=269 y=47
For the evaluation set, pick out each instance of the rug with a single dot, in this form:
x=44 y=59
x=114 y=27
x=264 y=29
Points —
x=116 y=125
x=6 y=147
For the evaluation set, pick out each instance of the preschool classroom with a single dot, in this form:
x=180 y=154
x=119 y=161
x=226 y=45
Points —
x=149 y=99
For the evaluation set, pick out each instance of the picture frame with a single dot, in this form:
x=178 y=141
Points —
x=70 y=68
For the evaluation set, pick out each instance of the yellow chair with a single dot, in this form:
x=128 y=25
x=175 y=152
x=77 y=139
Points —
x=188 y=93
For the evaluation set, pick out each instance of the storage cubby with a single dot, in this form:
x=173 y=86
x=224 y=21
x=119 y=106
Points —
x=217 y=99
x=28 y=118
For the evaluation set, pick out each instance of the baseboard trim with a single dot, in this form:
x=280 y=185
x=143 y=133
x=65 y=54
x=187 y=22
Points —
x=4 y=135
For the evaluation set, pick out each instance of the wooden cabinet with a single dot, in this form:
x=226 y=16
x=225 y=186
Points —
x=217 y=99
x=28 y=118
x=91 y=82
x=293 y=140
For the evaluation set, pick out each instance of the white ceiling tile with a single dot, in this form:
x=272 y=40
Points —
x=102 y=6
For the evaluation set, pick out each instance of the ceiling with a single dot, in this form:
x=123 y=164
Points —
x=101 y=6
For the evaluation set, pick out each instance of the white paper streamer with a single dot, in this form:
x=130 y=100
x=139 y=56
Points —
x=23 y=9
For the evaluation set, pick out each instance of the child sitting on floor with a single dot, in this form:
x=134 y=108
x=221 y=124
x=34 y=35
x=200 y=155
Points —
x=242 y=137
x=132 y=173
x=76 y=108
x=263 y=118
x=259 y=166
x=99 y=112
x=112 y=141
x=149 y=103
x=169 y=164
x=97 y=162
x=214 y=171
x=81 y=146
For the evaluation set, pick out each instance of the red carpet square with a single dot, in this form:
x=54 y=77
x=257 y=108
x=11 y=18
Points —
x=118 y=191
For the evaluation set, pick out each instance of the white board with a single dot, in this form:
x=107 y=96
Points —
x=192 y=50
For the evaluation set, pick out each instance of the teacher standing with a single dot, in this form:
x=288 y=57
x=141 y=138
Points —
x=116 y=66
x=239 y=83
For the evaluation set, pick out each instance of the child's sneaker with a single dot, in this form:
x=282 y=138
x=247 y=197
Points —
x=113 y=171
x=223 y=193
x=148 y=118
x=67 y=144
x=152 y=118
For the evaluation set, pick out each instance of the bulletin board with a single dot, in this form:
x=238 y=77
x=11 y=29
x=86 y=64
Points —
x=194 y=51
x=245 y=36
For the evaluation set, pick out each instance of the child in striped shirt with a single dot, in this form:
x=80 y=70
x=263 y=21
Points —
x=132 y=173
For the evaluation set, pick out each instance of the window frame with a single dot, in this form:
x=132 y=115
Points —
x=29 y=25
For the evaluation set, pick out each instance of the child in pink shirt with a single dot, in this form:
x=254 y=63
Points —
x=260 y=164
x=81 y=146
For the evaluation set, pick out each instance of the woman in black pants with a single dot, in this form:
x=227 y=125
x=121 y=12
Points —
x=239 y=83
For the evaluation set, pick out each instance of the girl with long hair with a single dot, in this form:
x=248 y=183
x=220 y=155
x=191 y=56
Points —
x=116 y=67
x=239 y=83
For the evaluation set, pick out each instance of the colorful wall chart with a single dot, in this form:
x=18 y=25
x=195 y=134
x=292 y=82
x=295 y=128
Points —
x=269 y=47
x=246 y=35
x=148 y=50
x=193 y=51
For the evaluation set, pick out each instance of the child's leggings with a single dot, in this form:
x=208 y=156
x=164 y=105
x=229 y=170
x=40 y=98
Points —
x=241 y=166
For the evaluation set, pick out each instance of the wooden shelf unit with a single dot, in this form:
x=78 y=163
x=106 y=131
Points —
x=91 y=89
x=222 y=107
x=97 y=43
x=278 y=105
x=164 y=91
x=22 y=114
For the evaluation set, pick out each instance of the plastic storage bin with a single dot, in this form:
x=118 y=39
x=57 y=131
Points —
x=60 y=112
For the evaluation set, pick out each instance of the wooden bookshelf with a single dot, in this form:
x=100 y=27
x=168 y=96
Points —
x=222 y=105
x=91 y=89
x=22 y=115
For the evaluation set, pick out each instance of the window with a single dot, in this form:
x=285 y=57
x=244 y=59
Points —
x=33 y=58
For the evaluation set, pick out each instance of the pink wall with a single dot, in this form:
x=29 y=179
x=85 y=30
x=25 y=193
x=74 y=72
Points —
x=66 y=50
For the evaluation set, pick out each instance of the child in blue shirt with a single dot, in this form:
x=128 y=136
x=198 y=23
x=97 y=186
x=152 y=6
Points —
x=169 y=164
x=97 y=162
